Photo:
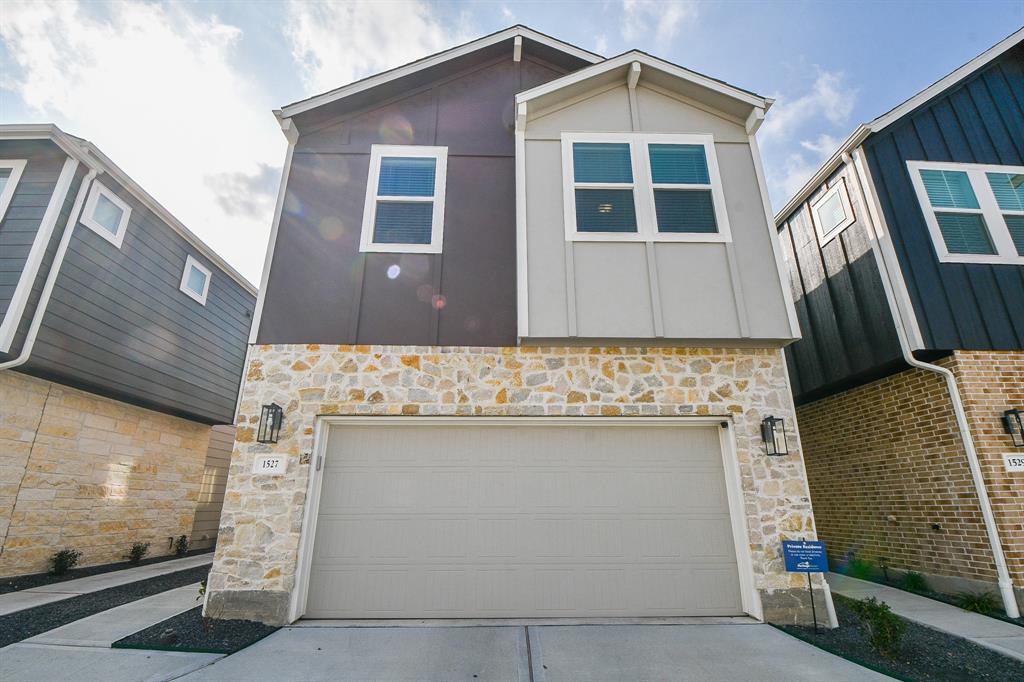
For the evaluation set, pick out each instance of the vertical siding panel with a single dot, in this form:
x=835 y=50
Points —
x=1010 y=111
x=805 y=352
x=989 y=116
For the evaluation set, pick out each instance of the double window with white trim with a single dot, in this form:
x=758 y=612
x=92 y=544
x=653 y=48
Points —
x=642 y=187
x=106 y=214
x=974 y=212
x=404 y=209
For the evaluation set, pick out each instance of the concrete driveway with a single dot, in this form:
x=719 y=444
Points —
x=726 y=653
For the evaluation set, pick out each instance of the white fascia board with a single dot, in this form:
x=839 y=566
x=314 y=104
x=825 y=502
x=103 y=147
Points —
x=893 y=115
x=433 y=60
x=91 y=156
x=644 y=59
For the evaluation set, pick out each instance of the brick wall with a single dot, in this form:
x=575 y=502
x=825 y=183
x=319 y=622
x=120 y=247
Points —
x=885 y=461
x=81 y=471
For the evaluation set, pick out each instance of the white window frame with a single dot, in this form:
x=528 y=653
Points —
x=839 y=188
x=377 y=152
x=99 y=188
x=643 y=188
x=989 y=210
x=190 y=263
x=17 y=167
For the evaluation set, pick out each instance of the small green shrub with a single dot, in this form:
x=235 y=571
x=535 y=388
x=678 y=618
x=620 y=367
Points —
x=859 y=568
x=181 y=545
x=883 y=629
x=202 y=590
x=979 y=602
x=138 y=550
x=913 y=581
x=64 y=560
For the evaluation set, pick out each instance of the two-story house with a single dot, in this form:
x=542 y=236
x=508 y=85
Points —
x=906 y=259
x=518 y=351
x=122 y=342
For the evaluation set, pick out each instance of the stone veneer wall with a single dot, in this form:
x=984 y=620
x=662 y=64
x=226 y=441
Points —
x=885 y=462
x=94 y=474
x=254 y=569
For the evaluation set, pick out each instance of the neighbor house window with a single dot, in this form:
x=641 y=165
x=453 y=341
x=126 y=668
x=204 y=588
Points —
x=10 y=174
x=404 y=210
x=642 y=187
x=106 y=214
x=974 y=212
x=195 y=280
x=832 y=212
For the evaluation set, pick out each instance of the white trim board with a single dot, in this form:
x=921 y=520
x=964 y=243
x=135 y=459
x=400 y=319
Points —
x=734 y=491
x=29 y=272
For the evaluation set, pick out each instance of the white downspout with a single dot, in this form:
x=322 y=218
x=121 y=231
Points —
x=1002 y=572
x=51 y=277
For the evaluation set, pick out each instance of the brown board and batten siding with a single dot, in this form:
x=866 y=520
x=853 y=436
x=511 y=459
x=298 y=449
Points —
x=211 y=490
x=848 y=334
x=322 y=289
x=117 y=323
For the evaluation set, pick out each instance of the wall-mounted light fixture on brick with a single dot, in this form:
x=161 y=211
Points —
x=1013 y=422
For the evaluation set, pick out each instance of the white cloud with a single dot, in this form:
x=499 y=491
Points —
x=339 y=42
x=158 y=89
x=664 y=17
x=800 y=133
x=508 y=14
x=601 y=44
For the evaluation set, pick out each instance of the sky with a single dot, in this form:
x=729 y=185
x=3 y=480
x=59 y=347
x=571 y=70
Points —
x=180 y=94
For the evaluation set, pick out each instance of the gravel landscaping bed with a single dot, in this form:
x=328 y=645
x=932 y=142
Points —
x=21 y=625
x=190 y=632
x=927 y=655
x=24 y=582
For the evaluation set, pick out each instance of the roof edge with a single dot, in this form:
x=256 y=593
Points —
x=91 y=155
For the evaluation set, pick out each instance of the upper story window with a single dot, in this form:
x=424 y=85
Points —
x=975 y=212
x=832 y=212
x=106 y=214
x=642 y=187
x=404 y=210
x=195 y=280
x=10 y=174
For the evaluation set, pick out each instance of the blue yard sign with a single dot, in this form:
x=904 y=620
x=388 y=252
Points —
x=804 y=556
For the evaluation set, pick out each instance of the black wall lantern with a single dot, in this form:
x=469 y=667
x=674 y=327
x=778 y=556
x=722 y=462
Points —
x=270 y=423
x=773 y=432
x=1013 y=422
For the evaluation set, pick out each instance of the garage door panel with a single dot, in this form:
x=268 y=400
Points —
x=523 y=521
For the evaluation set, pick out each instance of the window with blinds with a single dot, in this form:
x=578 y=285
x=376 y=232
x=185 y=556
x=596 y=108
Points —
x=636 y=186
x=404 y=199
x=975 y=212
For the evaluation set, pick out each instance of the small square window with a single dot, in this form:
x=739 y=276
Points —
x=106 y=214
x=195 y=280
x=404 y=210
x=832 y=212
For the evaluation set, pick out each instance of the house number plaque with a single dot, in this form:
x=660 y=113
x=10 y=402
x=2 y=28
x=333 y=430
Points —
x=1014 y=463
x=272 y=465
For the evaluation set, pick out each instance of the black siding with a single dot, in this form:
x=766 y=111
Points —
x=848 y=334
x=958 y=306
x=118 y=325
x=321 y=289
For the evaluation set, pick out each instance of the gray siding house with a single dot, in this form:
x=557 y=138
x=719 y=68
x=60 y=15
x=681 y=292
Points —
x=521 y=324
x=122 y=341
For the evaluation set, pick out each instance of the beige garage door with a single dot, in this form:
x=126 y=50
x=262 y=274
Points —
x=451 y=520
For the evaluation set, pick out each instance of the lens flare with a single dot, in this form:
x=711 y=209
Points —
x=438 y=301
x=331 y=228
x=394 y=270
x=396 y=129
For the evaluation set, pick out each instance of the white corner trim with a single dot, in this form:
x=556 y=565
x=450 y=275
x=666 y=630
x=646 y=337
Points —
x=378 y=152
x=839 y=188
x=522 y=264
x=17 y=167
x=754 y=121
x=989 y=210
x=517 y=49
x=99 y=189
x=29 y=272
x=643 y=188
x=773 y=237
x=190 y=264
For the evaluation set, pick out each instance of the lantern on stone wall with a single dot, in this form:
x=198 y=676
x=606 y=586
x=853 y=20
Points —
x=270 y=423
x=1013 y=422
x=773 y=433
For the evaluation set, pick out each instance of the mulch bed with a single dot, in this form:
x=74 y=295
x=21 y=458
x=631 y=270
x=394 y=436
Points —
x=24 y=582
x=188 y=632
x=21 y=625
x=927 y=655
x=942 y=597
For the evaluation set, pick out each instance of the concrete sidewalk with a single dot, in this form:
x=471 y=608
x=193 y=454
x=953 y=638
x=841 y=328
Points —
x=994 y=634
x=37 y=596
x=81 y=650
